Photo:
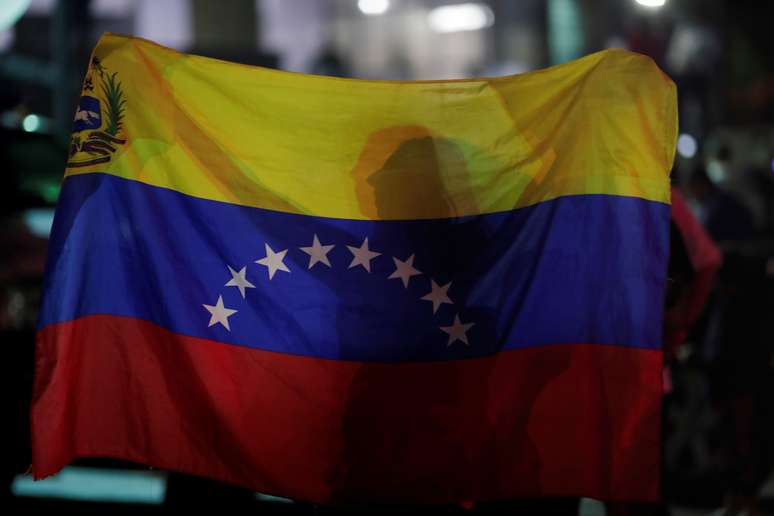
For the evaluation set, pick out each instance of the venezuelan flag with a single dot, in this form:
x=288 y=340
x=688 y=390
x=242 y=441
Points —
x=346 y=290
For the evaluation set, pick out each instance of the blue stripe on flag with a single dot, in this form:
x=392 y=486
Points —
x=581 y=269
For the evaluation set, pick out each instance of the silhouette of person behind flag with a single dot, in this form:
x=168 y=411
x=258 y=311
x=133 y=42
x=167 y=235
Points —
x=426 y=430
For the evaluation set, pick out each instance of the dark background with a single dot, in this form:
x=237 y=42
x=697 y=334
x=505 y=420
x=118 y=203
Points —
x=719 y=52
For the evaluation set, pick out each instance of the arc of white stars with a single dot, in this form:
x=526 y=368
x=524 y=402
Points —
x=317 y=253
x=362 y=255
x=404 y=270
x=438 y=295
x=273 y=261
x=457 y=331
x=239 y=280
x=219 y=313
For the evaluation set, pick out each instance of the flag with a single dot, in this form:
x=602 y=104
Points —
x=342 y=290
x=694 y=263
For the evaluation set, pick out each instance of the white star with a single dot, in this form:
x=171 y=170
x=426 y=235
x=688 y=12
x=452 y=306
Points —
x=220 y=313
x=438 y=295
x=404 y=270
x=362 y=256
x=457 y=331
x=317 y=253
x=239 y=280
x=273 y=261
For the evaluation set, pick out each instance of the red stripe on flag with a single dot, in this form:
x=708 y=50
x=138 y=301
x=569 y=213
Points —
x=572 y=419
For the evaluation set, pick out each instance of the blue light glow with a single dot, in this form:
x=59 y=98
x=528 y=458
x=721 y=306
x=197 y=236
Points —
x=31 y=123
x=97 y=485
x=11 y=11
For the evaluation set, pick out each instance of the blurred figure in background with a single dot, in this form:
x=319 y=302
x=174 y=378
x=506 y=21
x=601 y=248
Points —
x=21 y=267
x=693 y=265
x=735 y=345
x=721 y=212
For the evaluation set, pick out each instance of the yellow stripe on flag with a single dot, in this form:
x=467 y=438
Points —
x=345 y=148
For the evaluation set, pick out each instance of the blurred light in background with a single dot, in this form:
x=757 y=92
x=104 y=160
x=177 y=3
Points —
x=461 y=17
x=49 y=191
x=97 y=485
x=31 y=123
x=687 y=146
x=651 y=3
x=7 y=38
x=716 y=171
x=42 y=7
x=111 y=8
x=39 y=221
x=10 y=11
x=168 y=23
x=373 y=7
x=565 y=31
x=772 y=165
x=270 y=498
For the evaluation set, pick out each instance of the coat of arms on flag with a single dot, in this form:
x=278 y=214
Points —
x=96 y=137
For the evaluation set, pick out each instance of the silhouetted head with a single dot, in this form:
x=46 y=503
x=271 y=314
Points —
x=406 y=172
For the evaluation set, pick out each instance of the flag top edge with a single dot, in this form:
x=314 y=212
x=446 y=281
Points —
x=603 y=124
